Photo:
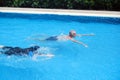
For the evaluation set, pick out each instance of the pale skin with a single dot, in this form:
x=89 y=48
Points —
x=79 y=42
x=71 y=36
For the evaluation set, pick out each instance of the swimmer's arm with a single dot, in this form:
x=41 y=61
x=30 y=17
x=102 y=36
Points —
x=79 y=42
x=92 y=34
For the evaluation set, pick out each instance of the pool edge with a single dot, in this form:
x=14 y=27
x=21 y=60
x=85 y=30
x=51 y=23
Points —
x=61 y=12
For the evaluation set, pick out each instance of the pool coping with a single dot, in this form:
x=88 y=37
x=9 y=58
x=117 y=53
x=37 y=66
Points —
x=61 y=12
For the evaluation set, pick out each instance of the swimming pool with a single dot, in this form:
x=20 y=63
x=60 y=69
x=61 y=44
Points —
x=100 y=61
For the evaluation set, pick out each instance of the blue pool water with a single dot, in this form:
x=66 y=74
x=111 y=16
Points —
x=71 y=61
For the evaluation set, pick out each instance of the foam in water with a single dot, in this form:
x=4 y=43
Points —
x=20 y=61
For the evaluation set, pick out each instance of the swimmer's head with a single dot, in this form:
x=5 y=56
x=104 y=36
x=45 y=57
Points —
x=36 y=47
x=72 y=33
x=33 y=48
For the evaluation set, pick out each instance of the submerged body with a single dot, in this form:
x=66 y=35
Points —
x=31 y=51
x=19 y=51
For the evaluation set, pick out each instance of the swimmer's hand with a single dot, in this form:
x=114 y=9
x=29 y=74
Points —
x=79 y=42
x=85 y=45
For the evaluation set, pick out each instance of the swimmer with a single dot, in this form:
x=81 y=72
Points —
x=21 y=51
x=71 y=36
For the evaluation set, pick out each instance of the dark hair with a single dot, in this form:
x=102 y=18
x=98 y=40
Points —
x=33 y=48
x=36 y=47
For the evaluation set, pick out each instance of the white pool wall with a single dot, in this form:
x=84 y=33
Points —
x=61 y=12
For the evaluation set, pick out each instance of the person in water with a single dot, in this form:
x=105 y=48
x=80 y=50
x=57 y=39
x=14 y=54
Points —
x=71 y=36
x=21 y=51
